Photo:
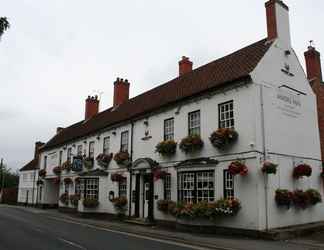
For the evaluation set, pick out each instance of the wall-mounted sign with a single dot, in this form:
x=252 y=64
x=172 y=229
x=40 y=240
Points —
x=77 y=164
x=289 y=103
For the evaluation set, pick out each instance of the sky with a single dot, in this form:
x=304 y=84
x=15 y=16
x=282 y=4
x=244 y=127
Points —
x=56 y=53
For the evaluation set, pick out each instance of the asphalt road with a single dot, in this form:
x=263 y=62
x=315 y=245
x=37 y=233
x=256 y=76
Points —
x=22 y=230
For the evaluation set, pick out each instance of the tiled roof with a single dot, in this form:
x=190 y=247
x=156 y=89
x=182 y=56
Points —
x=32 y=165
x=216 y=74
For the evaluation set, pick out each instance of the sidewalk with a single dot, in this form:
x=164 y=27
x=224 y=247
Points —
x=218 y=242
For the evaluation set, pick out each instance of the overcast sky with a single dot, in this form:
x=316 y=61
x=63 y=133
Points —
x=57 y=52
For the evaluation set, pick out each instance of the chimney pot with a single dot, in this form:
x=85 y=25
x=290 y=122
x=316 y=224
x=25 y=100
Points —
x=185 y=66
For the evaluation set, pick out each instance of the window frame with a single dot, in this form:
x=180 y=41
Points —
x=121 y=141
x=60 y=157
x=220 y=113
x=45 y=162
x=84 y=188
x=164 y=129
x=79 y=152
x=167 y=187
x=189 y=128
x=226 y=190
x=69 y=154
x=104 y=144
x=122 y=188
x=195 y=189
x=91 y=147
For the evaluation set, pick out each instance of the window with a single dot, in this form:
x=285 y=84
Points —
x=169 y=129
x=196 y=186
x=69 y=154
x=194 y=123
x=40 y=193
x=77 y=187
x=123 y=188
x=90 y=188
x=79 y=150
x=228 y=185
x=60 y=158
x=226 y=115
x=167 y=187
x=106 y=145
x=66 y=186
x=91 y=149
x=124 y=141
x=45 y=162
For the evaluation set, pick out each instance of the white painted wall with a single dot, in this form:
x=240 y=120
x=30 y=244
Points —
x=27 y=183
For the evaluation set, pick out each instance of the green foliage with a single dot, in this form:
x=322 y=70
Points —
x=8 y=178
x=4 y=25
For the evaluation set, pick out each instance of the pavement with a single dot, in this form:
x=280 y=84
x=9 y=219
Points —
x=36 y=229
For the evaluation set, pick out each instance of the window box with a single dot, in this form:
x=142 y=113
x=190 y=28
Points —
x=64 y=199
x=67 y=181
x=223 y=137
x=269 y=168
x=74 y=199
x=302 y=170
x=103 y=160
x=57 y=170
x=67 y=166
x=238 y=167
x=191 y=143
x=90 y=203
x=117 y=177
x=122 y=158
x=283 y=198
x=166 y=148
x=42 y=173
x=88 y=163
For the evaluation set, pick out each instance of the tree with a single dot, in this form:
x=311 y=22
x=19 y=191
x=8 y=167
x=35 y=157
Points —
x=8 y=178
x=4 y=25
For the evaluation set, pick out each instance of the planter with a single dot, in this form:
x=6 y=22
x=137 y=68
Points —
x=166 y=148
x=302 y=170
x=103 y=160
x=300 y=199
x=117 y=177
x=223 y=137
x=74 y=199
x=57 y=170
x=238 y=167
x=122 y=158
x=42 y=173
x=67 y=181
x=88 y=163
x=283 y=198
x=314 y=196
x=64 y=198
x=269 y=168
x=90 y=203
x=191 y=144
x=67 y=166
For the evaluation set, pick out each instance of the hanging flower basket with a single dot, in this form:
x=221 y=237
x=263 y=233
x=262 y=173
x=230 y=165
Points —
x=300 y=199
x=121 y=158
x=42 y=173
x=314 y=196
x=120 y=205
x=223 y=137
x=39 y=182
x=302 y=170
x=67 y=166
x=283 y=198
x=74 y=199
x=103 y=160
x=57 y=180
x=64 y=198
x=88 y=163
x=191 y=143
x=166 y=148
x=67 y=181
x=238 y=167
x=269 y=168
x=158 y=174
x=117 y=177
x=90 y=203
x=57 y=170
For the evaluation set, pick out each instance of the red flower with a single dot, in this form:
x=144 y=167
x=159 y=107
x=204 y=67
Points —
x=237 y=167
x=302 y=170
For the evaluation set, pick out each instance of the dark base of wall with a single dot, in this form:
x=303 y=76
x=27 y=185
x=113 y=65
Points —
x=47 y=206
x=69 y=210
x=99 y=216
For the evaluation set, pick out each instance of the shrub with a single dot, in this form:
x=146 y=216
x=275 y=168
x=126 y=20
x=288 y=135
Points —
x=283 y=197
x=166 y=148
x=314 y=196
x=269 y=168
x=121 y=157
x=74 y=198
x=238 y=167
x=90 y=203
x=223 y=137
x=57 y=170
x=191 y=144
x=302 y=170
x=103 y=160
x=64 y=198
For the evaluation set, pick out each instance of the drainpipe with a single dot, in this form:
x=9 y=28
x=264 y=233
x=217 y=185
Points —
x=130 y=171
x=264 y=157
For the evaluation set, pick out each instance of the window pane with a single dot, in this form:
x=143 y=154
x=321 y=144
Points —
x=226 y=115
x=124 y=141
x=194 y=123
x=169 y=129
x=106 y=145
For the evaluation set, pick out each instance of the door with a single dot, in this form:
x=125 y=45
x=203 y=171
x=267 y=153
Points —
x=147 y=197
x=136 y=195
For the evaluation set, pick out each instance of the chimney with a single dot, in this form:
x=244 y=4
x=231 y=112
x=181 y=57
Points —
x=91 y=107
x=313 y=65
x=185 y=66
x=121 y=91
x=278 y=21
x=38 y=146
x=59 y=129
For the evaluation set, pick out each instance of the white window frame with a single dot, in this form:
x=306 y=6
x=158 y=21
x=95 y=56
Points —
x=194 y=123
x=122 y=188
x=90 y=188
x=168 y=129
x=91 y=152
x=124 y=141
x=228 y=185
x=167 y=187
x=106 y=145
x=79 y=150
x=226 y=115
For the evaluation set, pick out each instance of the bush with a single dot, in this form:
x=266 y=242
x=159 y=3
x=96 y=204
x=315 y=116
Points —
x=166 y=148
x=103 y=160
x=223 y=137
x=191 y=144
x=90 y=203
x=302 y=170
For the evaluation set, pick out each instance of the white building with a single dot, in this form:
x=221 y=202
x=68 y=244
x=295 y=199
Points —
x=261 y=91
x=28 y=179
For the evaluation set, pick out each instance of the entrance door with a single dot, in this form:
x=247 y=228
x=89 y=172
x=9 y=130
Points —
x=147 y=196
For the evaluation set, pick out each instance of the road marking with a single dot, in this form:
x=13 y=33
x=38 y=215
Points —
x=72 y=243
x=169 y=242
